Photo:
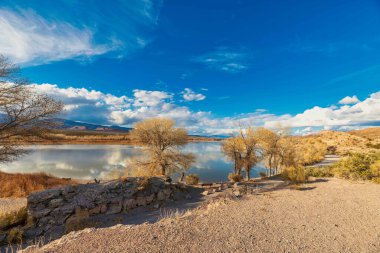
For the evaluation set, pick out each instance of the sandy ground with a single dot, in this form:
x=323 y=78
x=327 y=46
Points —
x=330 y=216
x=11 y=204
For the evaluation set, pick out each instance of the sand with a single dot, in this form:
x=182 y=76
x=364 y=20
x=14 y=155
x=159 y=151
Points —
x=329 y=216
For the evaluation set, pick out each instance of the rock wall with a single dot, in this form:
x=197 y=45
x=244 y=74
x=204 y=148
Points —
x=57 y=207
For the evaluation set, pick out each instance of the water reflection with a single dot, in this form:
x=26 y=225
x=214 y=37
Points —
x=101 y=161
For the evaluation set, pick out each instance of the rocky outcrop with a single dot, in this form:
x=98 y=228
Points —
x=59 y=207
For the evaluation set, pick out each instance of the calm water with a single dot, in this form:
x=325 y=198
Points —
x=102 y=161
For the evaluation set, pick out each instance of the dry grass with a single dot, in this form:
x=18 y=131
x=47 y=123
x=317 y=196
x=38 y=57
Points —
x=12 y=219
x=21 y=185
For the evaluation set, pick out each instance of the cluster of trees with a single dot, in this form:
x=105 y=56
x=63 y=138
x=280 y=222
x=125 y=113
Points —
x=275 y=148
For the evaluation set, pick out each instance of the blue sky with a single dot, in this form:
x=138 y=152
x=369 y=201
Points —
x=207 y=64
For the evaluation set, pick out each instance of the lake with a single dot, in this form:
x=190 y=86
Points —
x=103 y=161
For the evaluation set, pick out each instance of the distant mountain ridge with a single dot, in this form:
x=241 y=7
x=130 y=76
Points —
x=66 y=124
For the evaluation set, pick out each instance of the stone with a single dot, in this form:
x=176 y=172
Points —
x=56 y=202
x=205 y=193
x=114 y=208
x=188 y=196
x=39 y=197
x=95 y=210
x=129 y=204
x=161 y=195
x=103 y=208
x=3 y=239
x=150 y=199
x=40 y=213
x=141 y=201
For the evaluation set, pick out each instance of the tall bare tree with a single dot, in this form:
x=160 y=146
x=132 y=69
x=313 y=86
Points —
x=162 y=142
x=24 y=113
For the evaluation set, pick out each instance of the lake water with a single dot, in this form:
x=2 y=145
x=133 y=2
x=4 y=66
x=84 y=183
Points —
x=102 y=161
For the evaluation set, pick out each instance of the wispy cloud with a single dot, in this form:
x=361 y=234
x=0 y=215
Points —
x=31 y=36
x=225 y=59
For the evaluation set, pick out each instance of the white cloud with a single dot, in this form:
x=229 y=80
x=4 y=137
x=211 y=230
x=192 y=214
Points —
x=224 y=59
x=97 y=107
x=190 y=95
x=366 y=112
x=349 y=100
x=28 y=38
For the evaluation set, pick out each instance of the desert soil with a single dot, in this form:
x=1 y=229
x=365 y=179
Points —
x=326 y=216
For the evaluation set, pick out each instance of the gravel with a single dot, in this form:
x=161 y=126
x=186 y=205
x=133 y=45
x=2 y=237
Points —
x=329 y=216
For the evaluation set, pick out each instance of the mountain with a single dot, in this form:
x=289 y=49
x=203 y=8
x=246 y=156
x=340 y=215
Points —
x=66 y=124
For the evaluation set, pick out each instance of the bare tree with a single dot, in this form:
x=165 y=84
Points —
x=162 y=142
x=24 y=113
x=244 y=150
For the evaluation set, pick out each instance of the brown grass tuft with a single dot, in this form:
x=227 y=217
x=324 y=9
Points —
x=21 y=185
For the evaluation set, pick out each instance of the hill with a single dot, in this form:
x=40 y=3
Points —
x=366 y=140
x=372 y=133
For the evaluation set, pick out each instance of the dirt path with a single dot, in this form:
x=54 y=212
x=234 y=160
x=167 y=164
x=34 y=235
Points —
x=331 y=216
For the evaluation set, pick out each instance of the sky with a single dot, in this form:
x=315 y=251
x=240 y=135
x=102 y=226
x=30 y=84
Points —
x=211 y=65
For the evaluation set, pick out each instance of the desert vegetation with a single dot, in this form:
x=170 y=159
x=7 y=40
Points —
x=356 y=166
x=162 y=143
x=18 y=185
x=276 y=149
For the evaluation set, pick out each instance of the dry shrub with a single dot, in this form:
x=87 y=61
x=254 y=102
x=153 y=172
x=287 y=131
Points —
x=263 y=175
x=235 y=177
x=319 y=172
x=295 y=174
x=12 y=219
x=192 y=179
x=21 y=185
x=15 y=235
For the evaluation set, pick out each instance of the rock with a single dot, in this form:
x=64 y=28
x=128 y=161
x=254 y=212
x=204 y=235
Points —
x=205 y=193
x=103 y=208
x=40 y=213
x=141 y=201
x=150 y=199
x=95 y=210
x=3 y=239
x=188 y=196
x=56 y=202
x=311 y=179
x=157 y=205
x=161 y=195
x=39 y=197
x=129 y=204
x=114 y=208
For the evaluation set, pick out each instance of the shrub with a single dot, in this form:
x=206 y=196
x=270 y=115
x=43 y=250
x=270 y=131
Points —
x=295 y=174
x=235 y=177
x=15 y=235
x=376 y=180
x=319 y=172
x=12 y=219
x=263 y=174
x=355 y=167
x=192 y=179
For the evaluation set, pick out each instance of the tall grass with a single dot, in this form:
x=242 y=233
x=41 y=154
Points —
x=21 y=185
